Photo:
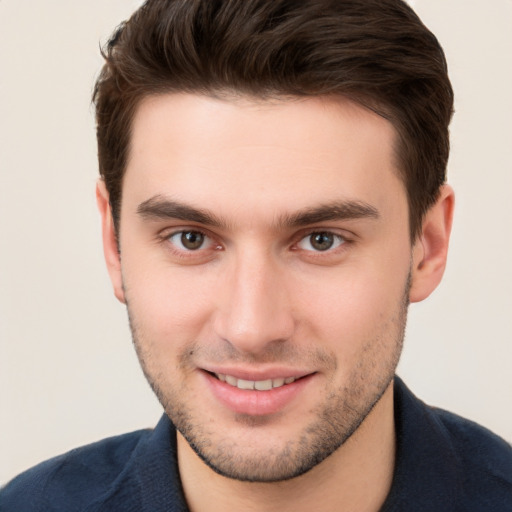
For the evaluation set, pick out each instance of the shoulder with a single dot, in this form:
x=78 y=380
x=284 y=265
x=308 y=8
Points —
x=74 y=478
x=484 y=458
x=446 y=462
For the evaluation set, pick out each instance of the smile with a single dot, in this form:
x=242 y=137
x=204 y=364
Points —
x=259 y=385
x=257 y=397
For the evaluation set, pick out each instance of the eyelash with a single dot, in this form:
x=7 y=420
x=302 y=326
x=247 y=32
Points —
x=184 y=253
x=341 y=239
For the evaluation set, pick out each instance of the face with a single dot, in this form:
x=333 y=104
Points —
x=265 y=263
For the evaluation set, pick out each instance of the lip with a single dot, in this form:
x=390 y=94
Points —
x=261 y=374
x=254 y=402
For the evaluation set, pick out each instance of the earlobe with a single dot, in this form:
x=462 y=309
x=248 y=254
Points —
x=110 y=246
x=431 y=248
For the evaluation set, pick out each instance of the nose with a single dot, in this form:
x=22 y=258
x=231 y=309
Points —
x=254 y=312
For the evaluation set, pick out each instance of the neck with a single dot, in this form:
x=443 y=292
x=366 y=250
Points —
x=357 y=477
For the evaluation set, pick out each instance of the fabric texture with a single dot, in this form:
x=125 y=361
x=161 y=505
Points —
x=444 y=463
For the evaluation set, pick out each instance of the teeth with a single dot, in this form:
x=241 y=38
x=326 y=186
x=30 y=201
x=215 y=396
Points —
x=245 y=384
x=277 y=383
x=263 y=385
x=232 y=381
x=260 y=385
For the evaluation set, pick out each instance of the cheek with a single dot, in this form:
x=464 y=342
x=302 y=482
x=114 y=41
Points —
x=167 y=304
x=353 y=308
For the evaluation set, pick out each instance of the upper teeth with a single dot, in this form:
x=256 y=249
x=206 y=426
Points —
x=260 y=385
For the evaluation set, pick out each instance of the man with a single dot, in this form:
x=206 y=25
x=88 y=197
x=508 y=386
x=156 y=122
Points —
x=273 y=197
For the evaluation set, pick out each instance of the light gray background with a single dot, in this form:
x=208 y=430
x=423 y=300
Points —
x=68 y=374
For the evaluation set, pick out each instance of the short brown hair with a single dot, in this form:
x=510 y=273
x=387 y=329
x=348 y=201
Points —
x=376 y=52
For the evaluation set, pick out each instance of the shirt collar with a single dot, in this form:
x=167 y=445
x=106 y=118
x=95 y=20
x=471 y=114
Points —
x=426 y=476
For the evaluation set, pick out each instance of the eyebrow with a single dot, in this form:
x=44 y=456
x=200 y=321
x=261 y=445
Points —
x=342 y=210
x=161 y=208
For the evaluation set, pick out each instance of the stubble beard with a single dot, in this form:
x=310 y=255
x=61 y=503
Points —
x=337 y=418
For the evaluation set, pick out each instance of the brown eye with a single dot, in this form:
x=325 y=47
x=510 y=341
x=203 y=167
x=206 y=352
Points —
x=321 y=241
x=189 y=240
x=192 y=239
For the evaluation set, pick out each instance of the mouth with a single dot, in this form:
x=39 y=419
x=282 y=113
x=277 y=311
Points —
x=259 y=385
x=258 y=397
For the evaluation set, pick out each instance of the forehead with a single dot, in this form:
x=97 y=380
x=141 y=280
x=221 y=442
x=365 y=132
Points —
x=269 y=157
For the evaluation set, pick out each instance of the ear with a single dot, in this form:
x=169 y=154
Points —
x=431 y=247
x=110 y=249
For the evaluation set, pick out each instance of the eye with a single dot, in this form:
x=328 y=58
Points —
x=321 y=241
x=190 y=240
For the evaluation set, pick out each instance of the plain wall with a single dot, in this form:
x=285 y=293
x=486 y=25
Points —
x=68 y=373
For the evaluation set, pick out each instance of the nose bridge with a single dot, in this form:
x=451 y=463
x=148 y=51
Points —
x=256 y=311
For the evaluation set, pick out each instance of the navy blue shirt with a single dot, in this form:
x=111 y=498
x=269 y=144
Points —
x=443 y=463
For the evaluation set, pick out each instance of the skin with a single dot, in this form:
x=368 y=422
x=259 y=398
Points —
x=298 y=263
